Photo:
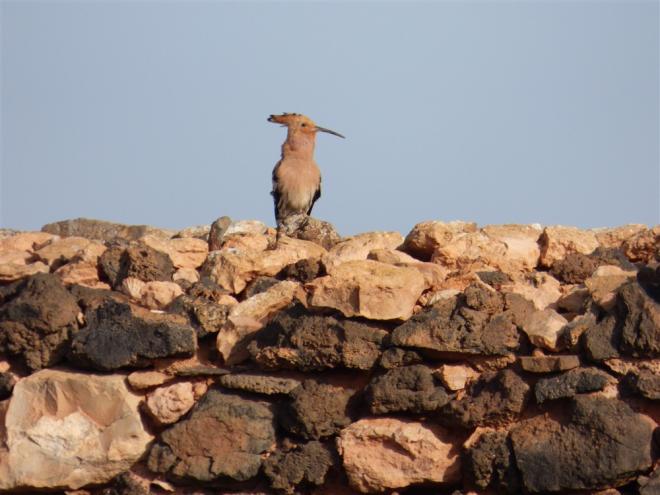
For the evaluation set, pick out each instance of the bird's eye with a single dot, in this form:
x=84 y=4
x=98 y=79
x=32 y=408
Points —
x=303 y=124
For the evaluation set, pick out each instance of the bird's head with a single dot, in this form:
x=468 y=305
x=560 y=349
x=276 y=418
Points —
x=299 y=123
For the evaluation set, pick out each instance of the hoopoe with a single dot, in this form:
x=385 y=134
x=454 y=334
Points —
x=296 y=177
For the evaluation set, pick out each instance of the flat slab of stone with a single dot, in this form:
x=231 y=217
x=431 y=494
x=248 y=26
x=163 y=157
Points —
x=548 y=364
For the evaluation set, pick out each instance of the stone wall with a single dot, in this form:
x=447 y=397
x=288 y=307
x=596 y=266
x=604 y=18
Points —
x=459 y=359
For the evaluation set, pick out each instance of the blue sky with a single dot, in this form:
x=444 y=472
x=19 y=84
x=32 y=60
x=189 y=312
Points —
x=494 y=112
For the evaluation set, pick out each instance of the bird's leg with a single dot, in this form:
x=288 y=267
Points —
x=274 y=245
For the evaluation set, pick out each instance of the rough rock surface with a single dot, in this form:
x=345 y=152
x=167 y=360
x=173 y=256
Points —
x=167 y=404
x=489 y=462
x=242 y=430
x=115 y=337
x=604 y=443
x=317 y=410
x=296 y=339
x=60 y=432
x=137 y=260
x=384 y=453
x=306 y=465
x=645 y=383
x=38 y=321
x=101 y=230
x=262 y=383
x=575 y=381
x=412 y=388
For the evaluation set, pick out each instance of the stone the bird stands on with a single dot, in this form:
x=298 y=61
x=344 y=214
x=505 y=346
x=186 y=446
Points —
x=296 y=177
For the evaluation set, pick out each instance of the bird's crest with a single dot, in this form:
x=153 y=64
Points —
x=299 y=122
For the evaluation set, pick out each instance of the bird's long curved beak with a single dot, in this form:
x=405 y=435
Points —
x=323 y=129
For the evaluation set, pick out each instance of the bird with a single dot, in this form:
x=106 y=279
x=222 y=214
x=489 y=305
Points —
x=296 y=177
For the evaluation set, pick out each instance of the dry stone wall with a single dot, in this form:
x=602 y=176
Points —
x=458 y=359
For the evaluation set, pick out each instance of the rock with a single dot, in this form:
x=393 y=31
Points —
x=261 y=383
x=521 y=241
x=248 y=317
x=38 y=322
x=394 y=357
x=232 y=269
x=303 y=271
x=189 y=275
x=246 y=227
x=391 y=256
x=103 y=231
x=557 y=242
x=645 y=383
x=650 y=485
x=60 y=251
x=643 y=246
x=205 y=316
x=575 y=268
x=623 y=366
x=370 y=289
x=296 y=339
x=7 y=382
x=115 y=337
x=538 y=287
x=358 y=247
x=259 y=285
x=489 y=462
x=141 y=380
x=426 y=237
x=495 y=278
x=59 y=435
x=195 y=232
x=15 y=257
x=548 y=364
x=308 y=464
x=602 y=443
x=81 y=273
x=379 y=454
x=496 y=398
x=186 y=252
x=145 y=263
x=319 y=232
x=614 y=237
x=242 y=430
x=167 y=404
x=217 y=232
x=544 y=329
x=133 y=288
x=412 y=388
x=456 y=377
x=649 y=278
x=317 y=410
x=576 y=381
x=640 y=335
x=25 y=241
x=604 y=283
x=601 y=340
x=159 y=295
x=574 y=300
x=453 y=328
x=10 y=272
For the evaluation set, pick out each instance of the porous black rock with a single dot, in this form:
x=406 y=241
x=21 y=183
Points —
x=575 y=381
x=305 y=465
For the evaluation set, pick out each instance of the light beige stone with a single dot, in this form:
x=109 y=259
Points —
x=133 y=287
x=198 y=231
x=158 y=295
x=539 y=287
x=434 y=274
x=90 y=253
x=456 y=376
x=141 y=380
x=370 y=289
x=185 y=252
x=10 y=272
x=188 y=274
x=426 y=237
x=391 y=256
x=61 y=251
x=622 y=366
x=381 y=454
x=60 y=432
x=544 y=328
x=243 y=227
x=615 y=237
x=574 y=299
x=26 y=241
x=558 y=241
x=81 y=273
x=15 y=257
x=249 y=316
x=522 y=244
x=432 y=297
x=359 y=246
x=233 y=268
x=167 y=404
x=604 y=282
x=643 y=246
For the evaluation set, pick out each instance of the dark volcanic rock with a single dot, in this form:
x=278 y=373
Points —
x=649 y=278
x=601 y=341
x=88 y=298
x=495 y=278
x=207 y=289
x=412 y=389
x=575 y=381
x=490 y=463
x=296 y=339
x=641 y=321
x=126 y=484
x=470 y=324
x=222 y=438
x=102 y=230
x=262 y=383
x=37 y=321
x=304 y=270
x=206 y=317
x=259 y=285
x=575 y=268
x=496 y=398
x=602 y=443
x=306 y=465
x=395 y=357
x=136 y=260
x=317 y=410
x=644 y=382
x=317 y=231
x=7 y=382
x=115 y=338
x=217 y=232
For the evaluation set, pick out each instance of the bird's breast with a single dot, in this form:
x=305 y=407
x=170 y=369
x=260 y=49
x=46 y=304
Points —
x=298 y=180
